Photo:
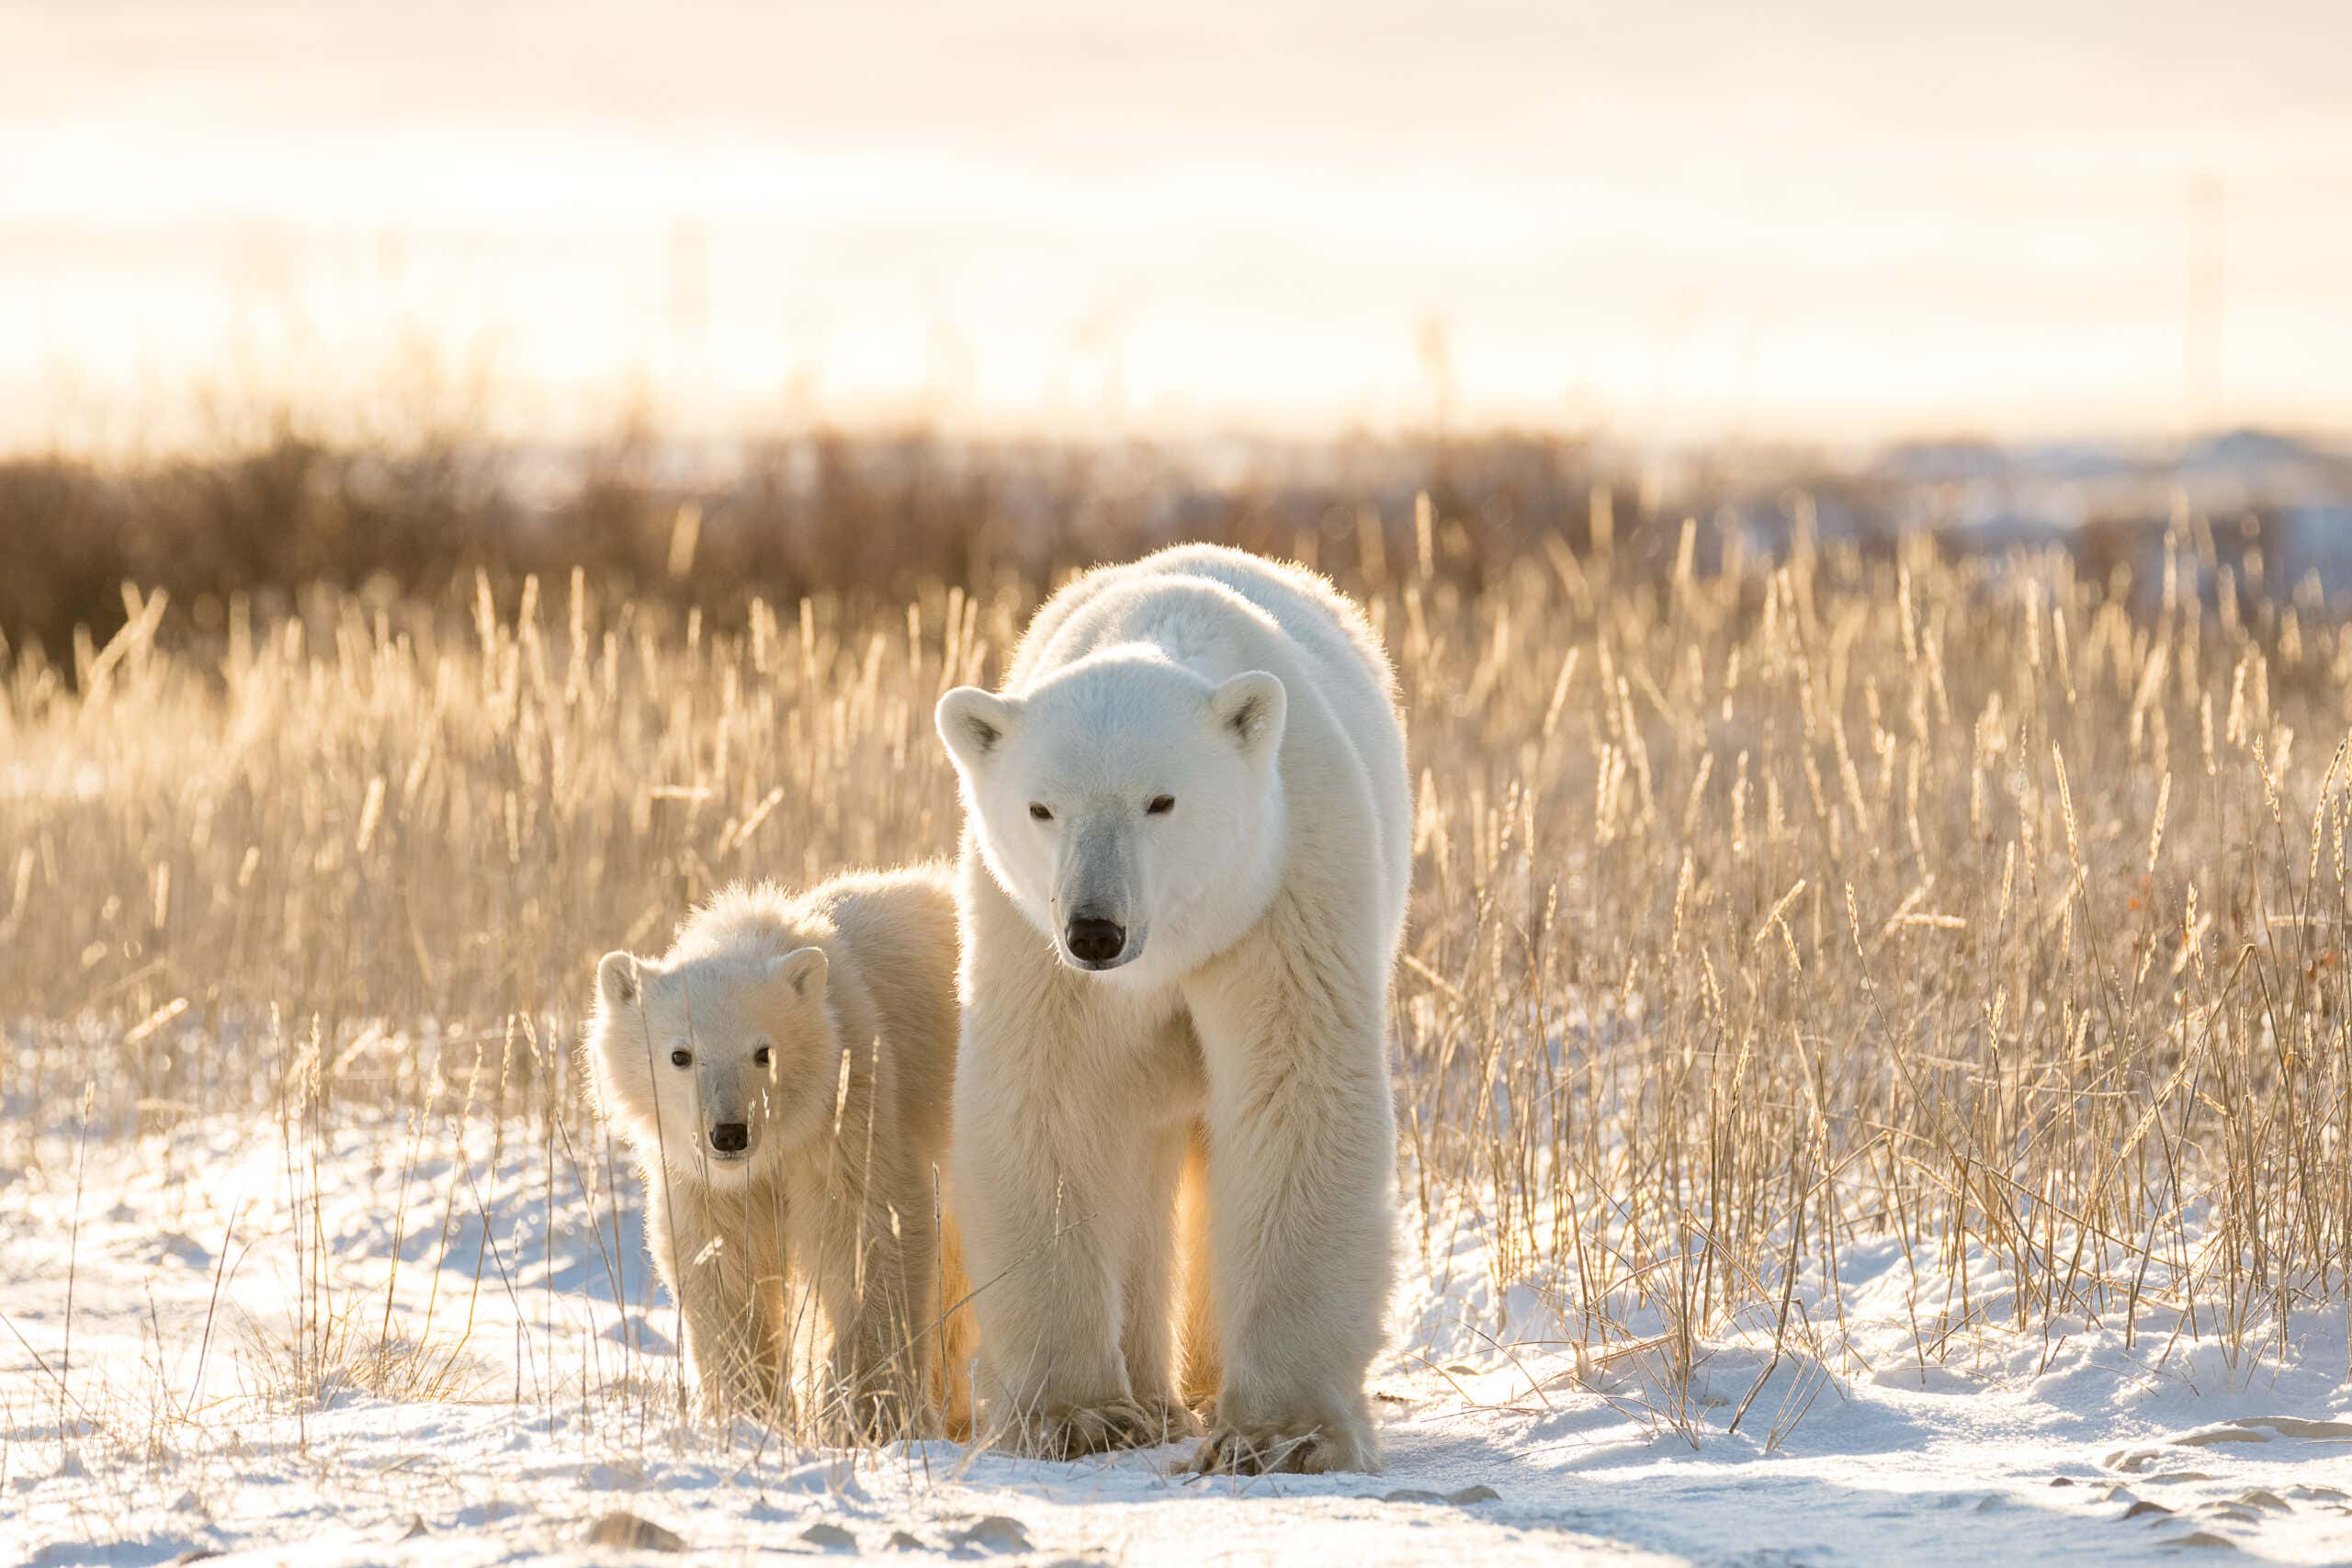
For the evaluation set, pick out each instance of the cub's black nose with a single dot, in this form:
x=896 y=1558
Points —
x=1093 y=939
x=730 y=1137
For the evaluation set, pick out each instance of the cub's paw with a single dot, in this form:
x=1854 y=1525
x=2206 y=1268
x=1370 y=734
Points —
x=874 y=1416
x=1300 y=1447
x=1071 y=1431
x=745 y=1402
x=1166 y=1421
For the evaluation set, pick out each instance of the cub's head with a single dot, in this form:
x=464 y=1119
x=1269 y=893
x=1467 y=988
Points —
x=711 y=1060
x=1127 y=805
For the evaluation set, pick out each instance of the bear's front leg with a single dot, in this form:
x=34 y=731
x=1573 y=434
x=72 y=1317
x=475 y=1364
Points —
x=1302 y=1139
x=1048 y=1191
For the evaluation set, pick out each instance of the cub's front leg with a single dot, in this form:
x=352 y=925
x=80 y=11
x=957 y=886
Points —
x=731 y=1305
x=876 y=1287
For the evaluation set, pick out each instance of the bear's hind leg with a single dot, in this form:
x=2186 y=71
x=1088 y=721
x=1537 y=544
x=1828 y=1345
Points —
x=1201 y=1361
x=1148 y=1338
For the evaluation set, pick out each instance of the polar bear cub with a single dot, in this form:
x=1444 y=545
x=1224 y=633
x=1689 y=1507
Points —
x=1187 y=852
x=782 y=1076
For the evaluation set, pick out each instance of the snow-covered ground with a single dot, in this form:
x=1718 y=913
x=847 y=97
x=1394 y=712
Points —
x=235 y=1387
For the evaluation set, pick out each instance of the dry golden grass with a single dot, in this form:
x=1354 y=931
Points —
x=1758 y=916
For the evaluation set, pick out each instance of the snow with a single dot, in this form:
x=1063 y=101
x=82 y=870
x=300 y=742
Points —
x=522 y=1389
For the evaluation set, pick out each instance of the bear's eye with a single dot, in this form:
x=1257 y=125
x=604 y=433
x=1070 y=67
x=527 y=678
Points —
x=1038 y=811
x=1161 y=805
x=682 y=1058
x=761 y=1056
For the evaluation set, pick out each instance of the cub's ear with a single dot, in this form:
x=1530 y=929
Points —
x=973 y=724
x=619 y=983
x=802 y=971
x=1250 y=708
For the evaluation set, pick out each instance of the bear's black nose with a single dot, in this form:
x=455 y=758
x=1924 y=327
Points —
x=1093 y=939
x=730 y=1137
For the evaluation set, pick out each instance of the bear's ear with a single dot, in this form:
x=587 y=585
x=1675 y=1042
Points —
x=973 y=724
x=1251 y=708
x=619 y=983
x=802 y=971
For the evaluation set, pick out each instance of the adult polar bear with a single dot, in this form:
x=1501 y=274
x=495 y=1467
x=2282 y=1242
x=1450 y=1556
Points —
x=1185 y=866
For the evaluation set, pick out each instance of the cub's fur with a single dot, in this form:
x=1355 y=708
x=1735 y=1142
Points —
x=783 y=1074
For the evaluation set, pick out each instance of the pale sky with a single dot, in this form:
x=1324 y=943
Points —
x=1829 y=220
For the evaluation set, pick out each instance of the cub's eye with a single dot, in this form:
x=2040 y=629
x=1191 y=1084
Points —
x=1161 y=805
x=682 y=1058
x=761 y=1056
x=1037 y=810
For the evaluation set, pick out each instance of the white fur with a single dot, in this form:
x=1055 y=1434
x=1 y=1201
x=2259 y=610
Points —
x=1244 y=1017
x=836 y=1183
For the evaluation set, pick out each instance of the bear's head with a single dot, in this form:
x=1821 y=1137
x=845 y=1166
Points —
x=710 y=1061
x=1132 y=810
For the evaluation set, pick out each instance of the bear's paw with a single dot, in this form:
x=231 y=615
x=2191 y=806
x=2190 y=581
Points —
x=1073 y=1431
x=1298 y=1448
